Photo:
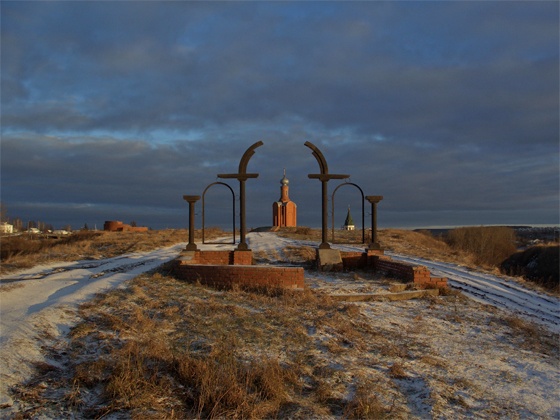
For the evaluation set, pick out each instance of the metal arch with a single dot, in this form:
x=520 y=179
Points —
x=363 y=209
x=247 y=155
x=324 y=168
x=203 y=207
x=324 y=177
x=243 y=176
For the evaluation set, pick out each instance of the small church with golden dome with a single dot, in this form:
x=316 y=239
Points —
x=284 y=211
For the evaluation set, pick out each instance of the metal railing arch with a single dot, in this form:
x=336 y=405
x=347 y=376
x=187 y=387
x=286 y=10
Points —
x=204 y=207
x=363 y=212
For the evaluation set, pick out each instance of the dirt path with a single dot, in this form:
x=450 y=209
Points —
x=40 y=303
x=500 y=291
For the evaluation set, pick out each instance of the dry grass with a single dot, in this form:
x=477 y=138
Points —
x=26 y=251
x=366 y=405
x=420 y=244
x=300 y=232
x=396 y=240
x=306 y=233
x=163 y=348
x=529 y=336
x=488 y=245
x=300 y=254
x=537 y=263
x=397 y=371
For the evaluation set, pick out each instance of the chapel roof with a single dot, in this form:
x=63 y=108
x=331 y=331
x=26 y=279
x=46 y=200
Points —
x=284 y=180
x=349 y=221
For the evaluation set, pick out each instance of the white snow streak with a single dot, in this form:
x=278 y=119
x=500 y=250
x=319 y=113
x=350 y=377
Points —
x=45 y=306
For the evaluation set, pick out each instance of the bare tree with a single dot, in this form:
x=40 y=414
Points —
x=489 y=245
x=18 y=224
x=3 y=213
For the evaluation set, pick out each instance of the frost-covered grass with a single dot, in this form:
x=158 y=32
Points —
x=163 y=348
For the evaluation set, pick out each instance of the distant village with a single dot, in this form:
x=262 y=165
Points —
x=44 y=229
x=8 y=228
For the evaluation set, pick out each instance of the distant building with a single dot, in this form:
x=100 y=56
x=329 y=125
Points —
x=6 y=228
x=349 y=222
x=118 y=226
x=284 y=211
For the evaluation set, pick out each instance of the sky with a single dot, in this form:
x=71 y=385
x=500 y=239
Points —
x=115 y=110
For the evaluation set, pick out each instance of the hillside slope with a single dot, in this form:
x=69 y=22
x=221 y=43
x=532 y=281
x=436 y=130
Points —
x=446 y=357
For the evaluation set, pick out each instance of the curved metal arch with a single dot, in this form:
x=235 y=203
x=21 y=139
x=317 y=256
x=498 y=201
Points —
x=243 y=176
x=324 y=168
x=247 y=155
x=363 y=209
x=203 y=207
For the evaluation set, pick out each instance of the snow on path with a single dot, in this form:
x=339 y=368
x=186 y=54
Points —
x=40 y=303
x=500 y=291
x=268 y=243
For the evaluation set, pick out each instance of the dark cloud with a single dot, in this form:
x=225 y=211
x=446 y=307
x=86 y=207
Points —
x=447 y=109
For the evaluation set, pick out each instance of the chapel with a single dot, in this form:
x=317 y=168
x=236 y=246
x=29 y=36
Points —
x=349 y=222
x=284 y=211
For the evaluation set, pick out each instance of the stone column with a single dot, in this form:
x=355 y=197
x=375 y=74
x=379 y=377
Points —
x=324 y=214
x=191 y=199
x=324 y=177
x=374 y=199
x=242 y=216
x=242 y=176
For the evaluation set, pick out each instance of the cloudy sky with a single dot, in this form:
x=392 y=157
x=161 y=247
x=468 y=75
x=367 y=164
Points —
x=115 y=110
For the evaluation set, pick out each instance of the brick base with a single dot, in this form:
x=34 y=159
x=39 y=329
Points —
x=418 y=274
x=359 y=260
x=224 y=269
x=216 y=257
x=251 y=276
x=228 y=268
x=432 y=283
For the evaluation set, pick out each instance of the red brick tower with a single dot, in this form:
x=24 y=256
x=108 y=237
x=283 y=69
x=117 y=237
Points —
x=284 y=211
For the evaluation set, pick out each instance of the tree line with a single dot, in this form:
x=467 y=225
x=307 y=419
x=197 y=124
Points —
x=21 y=225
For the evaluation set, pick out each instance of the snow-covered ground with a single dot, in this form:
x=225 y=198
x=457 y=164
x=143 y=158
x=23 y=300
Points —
x=39 y=305
x=501 y=291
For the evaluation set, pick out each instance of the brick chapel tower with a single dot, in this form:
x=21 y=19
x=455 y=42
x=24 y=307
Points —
x=284 y=211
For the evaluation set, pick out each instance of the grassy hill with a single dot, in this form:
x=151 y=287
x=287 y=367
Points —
x=163 y=348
